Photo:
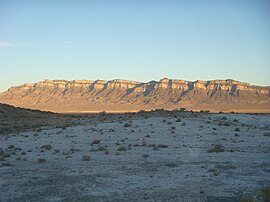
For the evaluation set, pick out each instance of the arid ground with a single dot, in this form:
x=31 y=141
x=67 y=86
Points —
x=147 y=156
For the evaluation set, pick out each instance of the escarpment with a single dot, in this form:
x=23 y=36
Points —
x=125 y=95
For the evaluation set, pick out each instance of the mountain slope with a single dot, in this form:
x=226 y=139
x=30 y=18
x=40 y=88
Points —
x=124 y=95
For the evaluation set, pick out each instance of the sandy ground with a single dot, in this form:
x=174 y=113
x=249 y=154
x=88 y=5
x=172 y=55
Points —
x=147 y=157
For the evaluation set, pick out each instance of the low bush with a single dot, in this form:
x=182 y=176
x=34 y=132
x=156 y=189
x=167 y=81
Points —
x=145 y=156
x=86 y=158
x=178 y=120
x=41 y=160
x=264 y=194
x=237 y=129
x=248 y=199
x=121 y=148
x=163 y=146
x=95 y=142
x=127 y=125
x=46 y=146
x=216 y=148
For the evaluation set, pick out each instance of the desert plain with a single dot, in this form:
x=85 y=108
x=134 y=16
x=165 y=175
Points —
x=146 y=156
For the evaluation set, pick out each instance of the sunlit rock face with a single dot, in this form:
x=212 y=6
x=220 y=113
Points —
x=125 y=95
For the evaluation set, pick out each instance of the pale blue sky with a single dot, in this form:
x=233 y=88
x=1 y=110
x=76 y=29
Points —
x=138 y=40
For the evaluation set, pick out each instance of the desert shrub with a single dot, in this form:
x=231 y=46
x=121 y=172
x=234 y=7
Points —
x=103 y=113
x=183 y=124
x=171 y=165
x=93 y=150
x=39 y=130
x=11 y=147
x=1 y=151
x=182 y=109
x=144 y=143
x=266 y=134
x=68 y=157
x=236 y=121
x=237 y=129
x=56 y=151
x=102 y=148
x=178 y=120
x=163 y=146
x=264 y=194
x=72 y=149
x=216 y=148
x=6 y=155
x=6 y=164
x=248 y=199
x=46 y=146
x=95 y=142
x=155 y=148
x=41 y=160
x=121 y=148
x=127 y=125
x=65 y=153
x=85 y=158
x=145 y=156
x=169 y=123
x=173 y=127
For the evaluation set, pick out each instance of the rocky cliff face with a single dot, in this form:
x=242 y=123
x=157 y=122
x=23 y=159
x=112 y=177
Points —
x=124 y=95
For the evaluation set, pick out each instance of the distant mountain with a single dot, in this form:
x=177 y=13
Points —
x=124 y=95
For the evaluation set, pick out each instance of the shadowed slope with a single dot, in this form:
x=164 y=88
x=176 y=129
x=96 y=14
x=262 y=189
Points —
x=14 y=119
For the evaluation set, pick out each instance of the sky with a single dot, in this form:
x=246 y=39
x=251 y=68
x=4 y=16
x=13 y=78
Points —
x=140 y=40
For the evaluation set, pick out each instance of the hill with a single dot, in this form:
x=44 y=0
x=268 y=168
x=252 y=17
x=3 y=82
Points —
x=15 y=119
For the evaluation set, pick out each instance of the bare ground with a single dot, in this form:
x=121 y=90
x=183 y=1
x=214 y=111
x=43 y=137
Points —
x=158 y=156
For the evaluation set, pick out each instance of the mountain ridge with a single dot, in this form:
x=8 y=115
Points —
x=126 y=95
